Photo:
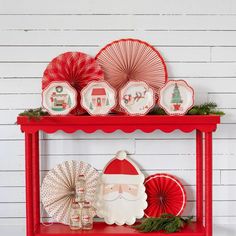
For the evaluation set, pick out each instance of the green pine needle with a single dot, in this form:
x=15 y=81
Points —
x=157 y=111
x=205 y=109
x=34 y=113
x=166 y=222
x=209 y=108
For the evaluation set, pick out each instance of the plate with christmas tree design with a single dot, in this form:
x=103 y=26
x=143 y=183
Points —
x=176 y=97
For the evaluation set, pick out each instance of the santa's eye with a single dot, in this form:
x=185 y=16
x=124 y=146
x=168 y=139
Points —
x=130 y=189
x=111 y=188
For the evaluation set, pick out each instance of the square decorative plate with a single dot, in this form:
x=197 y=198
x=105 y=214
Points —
x=136 y=98
x=59 y=98
x=176 y=97
x=98 y=98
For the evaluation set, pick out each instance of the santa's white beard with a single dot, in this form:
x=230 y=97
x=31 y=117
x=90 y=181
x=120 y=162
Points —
x=115 y=195
x=122 y=208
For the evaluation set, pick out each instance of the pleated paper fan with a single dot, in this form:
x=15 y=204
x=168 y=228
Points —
x=77 y=68
x=131 y=59
x=165 y=194
x=58 y=188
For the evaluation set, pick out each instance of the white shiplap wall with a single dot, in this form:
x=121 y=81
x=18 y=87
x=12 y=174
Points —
x=197 y=40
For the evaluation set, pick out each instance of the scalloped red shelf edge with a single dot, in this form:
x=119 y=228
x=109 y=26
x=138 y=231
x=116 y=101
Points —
x=127 y=124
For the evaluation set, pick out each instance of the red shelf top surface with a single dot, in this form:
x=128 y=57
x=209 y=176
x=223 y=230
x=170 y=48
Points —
x=128 y=124
x=102 y=229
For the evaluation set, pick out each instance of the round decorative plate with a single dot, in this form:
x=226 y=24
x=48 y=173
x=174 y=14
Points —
x=58 y=188
x=176 y=97
x=98 y=98
x=59 y=98
x=137 y=98
x=77 y=68
x=131 y=59
x=165 y=194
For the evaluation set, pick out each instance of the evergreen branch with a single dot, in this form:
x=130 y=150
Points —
x=34 y=113
x=167 y=222
x=203 y=109
x=157 y=111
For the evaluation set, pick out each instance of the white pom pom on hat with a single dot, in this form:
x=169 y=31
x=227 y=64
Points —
x=121 y=155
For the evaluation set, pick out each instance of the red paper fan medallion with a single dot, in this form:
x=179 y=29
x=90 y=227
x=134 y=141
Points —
x=131 y=59
x=165 y=194
x=77 y=68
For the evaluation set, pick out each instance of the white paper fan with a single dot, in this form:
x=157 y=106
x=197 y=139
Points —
x=58 y=188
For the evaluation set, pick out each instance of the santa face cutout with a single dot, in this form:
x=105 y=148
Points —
x=121 y=194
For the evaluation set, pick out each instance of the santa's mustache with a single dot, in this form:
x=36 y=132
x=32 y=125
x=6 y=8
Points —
x=120 y=196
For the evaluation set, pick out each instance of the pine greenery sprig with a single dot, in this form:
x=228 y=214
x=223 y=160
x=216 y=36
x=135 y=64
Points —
x=157 y=111
x=167 y=222
x=209 y=108
x=205 y=109
x=34 y=113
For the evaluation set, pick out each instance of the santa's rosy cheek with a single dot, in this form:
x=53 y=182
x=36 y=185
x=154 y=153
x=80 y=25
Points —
x=133 y=191
x=109 y=189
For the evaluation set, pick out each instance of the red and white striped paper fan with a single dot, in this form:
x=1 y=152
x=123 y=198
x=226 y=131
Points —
x=165 y=194
x=131 y=59
x=77 y=68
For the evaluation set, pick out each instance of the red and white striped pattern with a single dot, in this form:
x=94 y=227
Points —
x=74 y=67
x=165 y=194
x=132 y=59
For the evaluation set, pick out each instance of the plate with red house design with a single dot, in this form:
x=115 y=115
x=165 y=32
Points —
x=98 y=98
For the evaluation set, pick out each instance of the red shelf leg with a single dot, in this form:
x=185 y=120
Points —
x=28 y=180
x=35 y=168
x=199 y=176
x=208 y=183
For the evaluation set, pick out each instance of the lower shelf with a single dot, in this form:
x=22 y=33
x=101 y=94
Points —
x=102 y=229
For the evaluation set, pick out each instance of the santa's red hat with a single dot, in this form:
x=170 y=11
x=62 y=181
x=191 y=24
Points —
x=121 y=170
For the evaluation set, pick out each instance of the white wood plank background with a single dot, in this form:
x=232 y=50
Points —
x=197 y=40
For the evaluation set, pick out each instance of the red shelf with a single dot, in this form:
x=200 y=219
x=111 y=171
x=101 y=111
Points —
x=203 y=125
x=128 y=124
x=102 y=229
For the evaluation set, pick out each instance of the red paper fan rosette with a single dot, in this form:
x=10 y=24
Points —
x=132 y=59
x=77 y=68
x=165 y=194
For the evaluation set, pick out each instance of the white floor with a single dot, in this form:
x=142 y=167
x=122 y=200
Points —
x=219 y=230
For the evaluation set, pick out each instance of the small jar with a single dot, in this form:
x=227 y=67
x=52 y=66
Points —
x=75 y=216
x=80 y=188
x=87 y=216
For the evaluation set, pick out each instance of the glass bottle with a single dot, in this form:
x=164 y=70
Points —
x=87 y=216
x=75 y=216
x=80 y=188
